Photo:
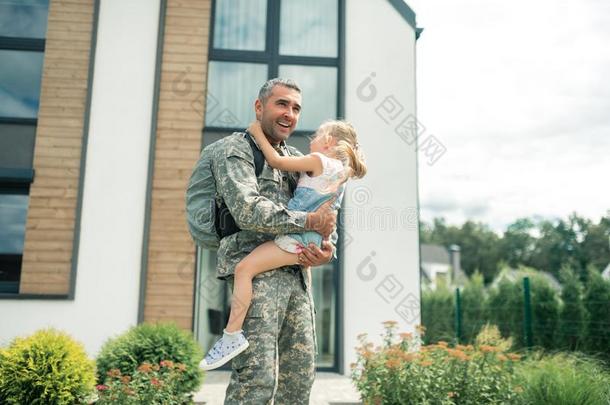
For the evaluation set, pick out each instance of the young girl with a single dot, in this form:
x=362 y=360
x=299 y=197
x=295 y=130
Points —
x=335 y=157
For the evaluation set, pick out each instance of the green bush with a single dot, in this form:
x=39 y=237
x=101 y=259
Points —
x=504 y=308
x=575 y=319
x=597 y=297
x=573 y=312
x=563 y=379
x=401 y=371
x=473 y=308
x=438 y=314
x=152 y=343
x=545 y=313
x=151 y=384
x=48 y=367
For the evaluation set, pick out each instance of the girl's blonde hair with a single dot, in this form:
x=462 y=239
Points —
x=347 y=149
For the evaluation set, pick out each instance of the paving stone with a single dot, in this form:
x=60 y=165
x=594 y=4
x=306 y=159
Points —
x=328 y=389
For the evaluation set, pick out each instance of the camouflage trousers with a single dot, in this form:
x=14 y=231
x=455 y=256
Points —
x=278 y=367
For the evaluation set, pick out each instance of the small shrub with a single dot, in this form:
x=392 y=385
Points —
x=401 y=371
x=152 y=343
x=490 y=336
x=437 y=314
x=564 y=379
x=154 y=384
x=48 y=367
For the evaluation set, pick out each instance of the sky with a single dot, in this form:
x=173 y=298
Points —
x=519 y=94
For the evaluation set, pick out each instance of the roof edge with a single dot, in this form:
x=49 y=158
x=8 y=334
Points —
x=405 y=11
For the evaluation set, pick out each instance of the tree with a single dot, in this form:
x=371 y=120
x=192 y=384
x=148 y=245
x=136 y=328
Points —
x=555 y=247
x=480 y=250
x=517 y=243
x=596 y=244
x=546 y=245
x=576 y=242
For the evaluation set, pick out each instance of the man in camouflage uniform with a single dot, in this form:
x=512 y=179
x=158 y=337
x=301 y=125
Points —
x=279 y=365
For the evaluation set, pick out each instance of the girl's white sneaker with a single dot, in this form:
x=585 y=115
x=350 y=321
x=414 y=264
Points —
x=225 y=349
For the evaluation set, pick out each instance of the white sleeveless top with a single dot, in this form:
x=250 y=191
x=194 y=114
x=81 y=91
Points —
x=331 y=177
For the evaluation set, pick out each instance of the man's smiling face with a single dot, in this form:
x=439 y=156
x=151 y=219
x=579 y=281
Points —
x=279 y=114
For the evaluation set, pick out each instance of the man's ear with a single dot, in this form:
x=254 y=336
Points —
x=258 y=109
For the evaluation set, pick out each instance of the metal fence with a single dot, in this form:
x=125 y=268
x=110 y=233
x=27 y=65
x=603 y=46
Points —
x=533 y=314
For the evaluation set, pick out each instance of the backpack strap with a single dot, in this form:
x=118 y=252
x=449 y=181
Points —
x=259 y=158
x=224 y=222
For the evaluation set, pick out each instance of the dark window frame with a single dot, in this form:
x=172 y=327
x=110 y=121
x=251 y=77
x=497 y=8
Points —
x=273 y=59
x=15 y=178
x=18 y=121
x=22 y=44
x=271 y=55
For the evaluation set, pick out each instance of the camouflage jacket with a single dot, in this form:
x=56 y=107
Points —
x=258 y=205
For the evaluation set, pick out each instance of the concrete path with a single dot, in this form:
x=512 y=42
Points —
x=328 y=389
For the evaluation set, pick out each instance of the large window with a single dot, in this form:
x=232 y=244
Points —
x=23 y=26
x=252 y=41
x=255 y=40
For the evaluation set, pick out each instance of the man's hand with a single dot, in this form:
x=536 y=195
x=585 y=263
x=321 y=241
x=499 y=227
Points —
x=314 y=256
x=323 y=220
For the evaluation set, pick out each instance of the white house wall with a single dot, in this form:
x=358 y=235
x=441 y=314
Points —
x=108 y=274
x=381 y=252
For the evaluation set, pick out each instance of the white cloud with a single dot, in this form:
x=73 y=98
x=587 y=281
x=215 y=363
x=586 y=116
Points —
x=517 y=91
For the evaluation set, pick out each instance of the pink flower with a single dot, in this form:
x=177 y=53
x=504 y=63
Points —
x=167 y=363
x=101 y=387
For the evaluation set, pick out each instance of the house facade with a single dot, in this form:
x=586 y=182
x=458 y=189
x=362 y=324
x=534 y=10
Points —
x=441 y=266
x=104 y=109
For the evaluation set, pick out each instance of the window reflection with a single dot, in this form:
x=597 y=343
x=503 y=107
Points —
x=20 y=77
x=319 y=87
x=232 y=89
x=13 y=214
x=324 y=300
x=17 y=145
x=24 y=18
x=309 y=28
x=240 y=24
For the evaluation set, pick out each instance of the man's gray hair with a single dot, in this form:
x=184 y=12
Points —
x=265 y=91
